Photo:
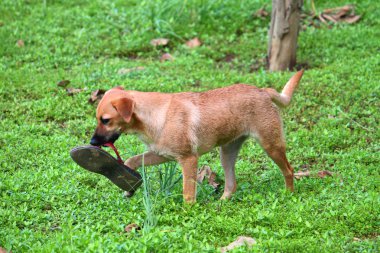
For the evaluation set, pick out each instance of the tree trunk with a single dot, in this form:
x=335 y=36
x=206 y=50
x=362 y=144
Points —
x=283 y=34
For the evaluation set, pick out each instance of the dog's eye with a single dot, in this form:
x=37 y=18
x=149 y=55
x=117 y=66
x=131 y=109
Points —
x=104 y=121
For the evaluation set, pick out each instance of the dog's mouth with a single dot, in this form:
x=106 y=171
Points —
x=113 y=138
x=98 y=140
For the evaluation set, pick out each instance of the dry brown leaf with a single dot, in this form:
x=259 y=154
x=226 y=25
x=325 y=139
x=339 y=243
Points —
x=322 y=18
x=193 y=43
x=129 y=228
x=159 y=42
x=343 y=14
x=206 y=172
x=124 y=71
x=72 y=91
x=262 y=62
x=229 y=57
x=240 y=241
x=351 y=19
x=329 y=18
x=325 y=173
x=166 y=57
x=300 y=174
x=335 y=10
x=96 y=96
x=261 y=13
x=20 y=43
x=340 y=14
x=63 y=83
x=307 y=173
x=343 y=11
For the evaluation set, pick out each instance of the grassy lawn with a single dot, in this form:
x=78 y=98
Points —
x=49 y=204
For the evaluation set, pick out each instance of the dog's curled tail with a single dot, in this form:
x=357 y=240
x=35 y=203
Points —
x=285 y=97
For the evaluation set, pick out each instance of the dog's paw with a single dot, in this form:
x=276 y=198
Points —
x=226 y=196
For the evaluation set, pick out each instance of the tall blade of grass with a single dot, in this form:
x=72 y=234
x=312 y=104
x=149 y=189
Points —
x=151 y=218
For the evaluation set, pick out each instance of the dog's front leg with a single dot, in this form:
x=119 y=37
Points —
x=189 y=166
x=149 y=158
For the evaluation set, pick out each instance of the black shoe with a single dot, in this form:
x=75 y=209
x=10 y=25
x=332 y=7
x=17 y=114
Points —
x=95 y=159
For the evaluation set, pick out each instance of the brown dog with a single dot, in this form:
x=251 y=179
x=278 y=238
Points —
x=183 y=126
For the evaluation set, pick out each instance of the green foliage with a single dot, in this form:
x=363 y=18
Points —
x=49 y=204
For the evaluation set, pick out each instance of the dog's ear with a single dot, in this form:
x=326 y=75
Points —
x=124 y=106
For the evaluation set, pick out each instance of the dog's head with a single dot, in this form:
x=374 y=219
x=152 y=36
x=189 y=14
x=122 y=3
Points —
x=114 y=114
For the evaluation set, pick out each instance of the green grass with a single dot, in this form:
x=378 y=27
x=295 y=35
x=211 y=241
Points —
x=49 y=204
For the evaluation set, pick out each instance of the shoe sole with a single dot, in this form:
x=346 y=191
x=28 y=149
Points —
x=96 y=160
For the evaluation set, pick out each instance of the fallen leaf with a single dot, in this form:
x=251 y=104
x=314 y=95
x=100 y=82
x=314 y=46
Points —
x=229 y=57
x=356 y=239
x=193 y=43
x=322 y=18
x=324 y=173
x=63 y=83
x=197 y=83
x=96 y=96
x=166 y=57
x=261 y=13
x=329 y=18
x=307 y=173
x=341 y=10
x=159 y=42
x=124 y=71
x=240 y=241
x=340 y=14
x=206 y=172
x=20 y=43
x=300 y=174
x=343 y=14
x=72 y=91
x=258 y=64
x=129 y=228
x=1 y=23
x=351 y=19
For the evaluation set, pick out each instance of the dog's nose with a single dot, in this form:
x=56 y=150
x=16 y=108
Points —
x=96 y=141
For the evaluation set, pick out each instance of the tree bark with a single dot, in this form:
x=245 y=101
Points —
x=283 y=34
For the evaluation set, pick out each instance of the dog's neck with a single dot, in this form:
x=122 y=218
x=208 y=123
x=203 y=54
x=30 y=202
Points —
x=150 y=115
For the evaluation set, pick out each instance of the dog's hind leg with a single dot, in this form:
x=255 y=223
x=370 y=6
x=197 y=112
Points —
x=271 y=139
x=279 y=157
x=276 y=151
x=228 y=155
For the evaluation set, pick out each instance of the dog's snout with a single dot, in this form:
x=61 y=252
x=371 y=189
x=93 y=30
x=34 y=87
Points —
x=96 y=140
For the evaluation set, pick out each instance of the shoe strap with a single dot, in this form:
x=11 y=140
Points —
x=109 y=144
